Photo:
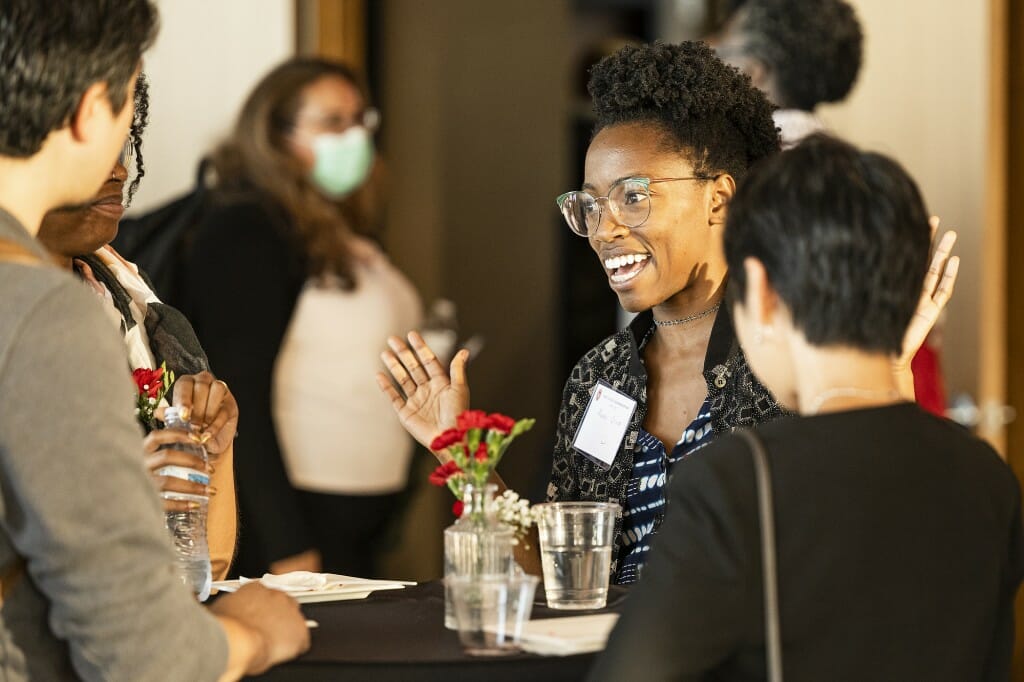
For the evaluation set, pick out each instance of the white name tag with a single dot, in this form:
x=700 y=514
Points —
x=604 y=424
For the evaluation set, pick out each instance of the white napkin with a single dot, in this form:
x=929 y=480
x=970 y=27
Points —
x=568 y=636
x=296 y=581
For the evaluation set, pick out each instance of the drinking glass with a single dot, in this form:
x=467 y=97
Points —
x=490 y=610
x=576 y=551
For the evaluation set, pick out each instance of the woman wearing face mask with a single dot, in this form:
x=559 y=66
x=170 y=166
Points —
x=291 y=302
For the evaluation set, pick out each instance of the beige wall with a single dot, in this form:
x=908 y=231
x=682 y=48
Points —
x=923 y=97
x=206 y=59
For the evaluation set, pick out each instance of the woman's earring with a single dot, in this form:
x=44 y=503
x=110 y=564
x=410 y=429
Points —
x=761 y=332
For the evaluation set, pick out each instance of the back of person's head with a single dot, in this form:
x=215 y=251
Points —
x=256 y=156
x=811 y=48
x=52 y=51
x=843 y=236
x=700 y=106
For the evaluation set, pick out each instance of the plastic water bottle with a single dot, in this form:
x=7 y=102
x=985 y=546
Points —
x=188 y=528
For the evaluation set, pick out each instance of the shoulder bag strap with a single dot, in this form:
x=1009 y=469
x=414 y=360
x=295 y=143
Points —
x=773 y=632
x=15 y=253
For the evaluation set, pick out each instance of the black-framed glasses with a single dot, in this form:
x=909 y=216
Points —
x=628 y=199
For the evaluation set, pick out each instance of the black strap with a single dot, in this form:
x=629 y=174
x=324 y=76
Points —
x=766 y=507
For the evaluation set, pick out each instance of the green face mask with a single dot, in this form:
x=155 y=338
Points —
x=342 y=161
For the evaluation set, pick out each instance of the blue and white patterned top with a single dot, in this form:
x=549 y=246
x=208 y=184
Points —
x=645 y=492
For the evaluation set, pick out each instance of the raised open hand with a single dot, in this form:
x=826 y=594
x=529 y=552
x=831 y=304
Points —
x=427 y=398
x=938 y=288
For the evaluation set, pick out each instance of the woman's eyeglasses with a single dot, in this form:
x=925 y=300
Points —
x=368 y=118
x=629 y=201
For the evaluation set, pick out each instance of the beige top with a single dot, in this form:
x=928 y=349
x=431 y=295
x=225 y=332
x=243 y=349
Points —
x=338 y=433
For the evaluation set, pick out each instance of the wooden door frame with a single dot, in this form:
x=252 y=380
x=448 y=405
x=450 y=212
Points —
x=1008 y=76
x=332 y=29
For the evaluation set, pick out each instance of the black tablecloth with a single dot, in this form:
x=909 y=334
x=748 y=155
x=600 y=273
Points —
x=400 y=635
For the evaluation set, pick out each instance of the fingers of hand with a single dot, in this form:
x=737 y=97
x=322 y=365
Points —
x=948 y=283
x=222 y=430
x=409 y=360
x=398 y=372
x=172 y=484
x=933 y=223
x=182 y=396
x=195 y=393
x=426 y=355
x=178 y=505
x=458 y=368
x=389 y=390
x=939 y=263
x=946 y=244
x=171 y=457
x=162 y=438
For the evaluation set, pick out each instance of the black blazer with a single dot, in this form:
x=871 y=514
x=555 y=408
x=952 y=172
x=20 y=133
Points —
x=241 y=278
x=899 y=548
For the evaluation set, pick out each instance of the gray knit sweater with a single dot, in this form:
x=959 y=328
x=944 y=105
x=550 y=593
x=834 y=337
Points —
x=100 y=599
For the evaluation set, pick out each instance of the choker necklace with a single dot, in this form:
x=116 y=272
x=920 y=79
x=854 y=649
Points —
x=849 y=392
x=692 y=318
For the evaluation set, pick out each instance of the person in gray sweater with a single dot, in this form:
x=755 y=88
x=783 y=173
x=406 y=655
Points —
x=87 y=582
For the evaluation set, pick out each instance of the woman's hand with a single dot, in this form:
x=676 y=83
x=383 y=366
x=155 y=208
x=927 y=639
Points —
x=212 y=408
x=430 y=398
x=156 y=458
x=935 y=294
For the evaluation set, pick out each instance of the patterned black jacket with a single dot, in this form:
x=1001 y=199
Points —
x=737 y=399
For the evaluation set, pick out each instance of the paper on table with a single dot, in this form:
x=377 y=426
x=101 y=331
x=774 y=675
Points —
x=568 y=636
x=308 y=587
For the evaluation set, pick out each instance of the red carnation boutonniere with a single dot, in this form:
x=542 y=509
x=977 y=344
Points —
x=152 y=385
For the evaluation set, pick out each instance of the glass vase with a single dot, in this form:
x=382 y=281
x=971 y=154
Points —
x=476 y=544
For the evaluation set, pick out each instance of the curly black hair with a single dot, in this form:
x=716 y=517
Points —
x=813 y=47
x=704 y=108
x=134 y=147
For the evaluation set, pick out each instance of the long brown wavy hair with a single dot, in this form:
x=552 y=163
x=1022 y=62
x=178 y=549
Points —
x=255 y=156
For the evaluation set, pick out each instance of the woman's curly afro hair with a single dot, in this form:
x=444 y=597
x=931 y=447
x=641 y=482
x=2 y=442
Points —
x=703 y=108
x=813 y=48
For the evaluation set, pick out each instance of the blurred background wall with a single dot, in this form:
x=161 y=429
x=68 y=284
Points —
x=207 y=57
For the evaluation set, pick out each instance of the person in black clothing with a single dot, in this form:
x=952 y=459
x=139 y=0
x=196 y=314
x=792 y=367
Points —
x=898 y=533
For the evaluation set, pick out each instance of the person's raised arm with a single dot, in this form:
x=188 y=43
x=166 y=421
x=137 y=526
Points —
x=935 y=294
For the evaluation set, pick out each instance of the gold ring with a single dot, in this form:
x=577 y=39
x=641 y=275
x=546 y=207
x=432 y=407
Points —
x=223 y=383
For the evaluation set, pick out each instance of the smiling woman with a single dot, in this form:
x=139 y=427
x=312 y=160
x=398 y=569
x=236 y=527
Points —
x=676 y=131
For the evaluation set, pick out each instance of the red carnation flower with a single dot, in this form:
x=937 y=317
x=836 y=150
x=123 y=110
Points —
x=149 y=381
x=500 y=422
x=446 y=439
x=442 y=473
x=472 y=419
x=457 y=508
x=481 y=452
